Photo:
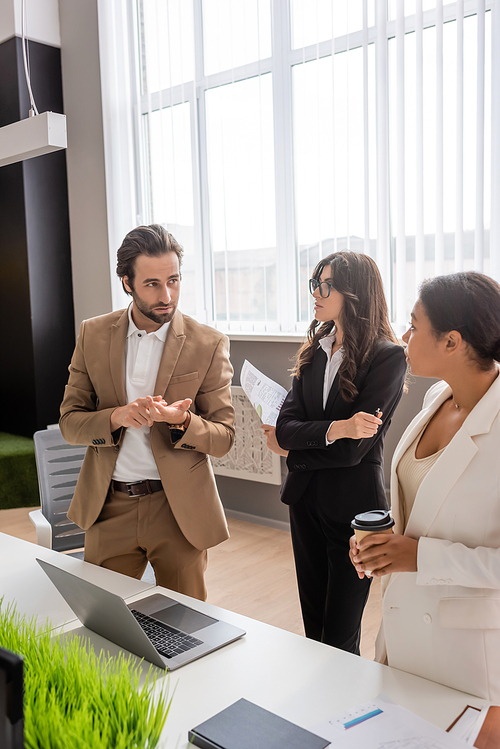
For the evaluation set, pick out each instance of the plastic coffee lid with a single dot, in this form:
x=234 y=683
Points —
x=375 y=520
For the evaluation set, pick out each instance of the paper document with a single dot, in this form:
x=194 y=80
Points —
x=265 y=395
x=478 y=726
x=381 y=724
x=468 y=724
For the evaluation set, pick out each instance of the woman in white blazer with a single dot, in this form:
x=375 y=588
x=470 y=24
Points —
x=441 y=590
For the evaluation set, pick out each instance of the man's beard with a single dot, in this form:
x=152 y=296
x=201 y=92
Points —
x=150 y=313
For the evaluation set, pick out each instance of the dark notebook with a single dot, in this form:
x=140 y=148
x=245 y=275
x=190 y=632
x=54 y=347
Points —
x=245 y=725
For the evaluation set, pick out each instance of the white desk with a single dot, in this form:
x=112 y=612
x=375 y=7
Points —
x=299 y=679
x=22 y=580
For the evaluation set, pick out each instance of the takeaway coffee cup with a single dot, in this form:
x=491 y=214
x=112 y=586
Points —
x=375 y=521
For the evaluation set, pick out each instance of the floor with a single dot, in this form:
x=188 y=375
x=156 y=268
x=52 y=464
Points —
x=252 y=573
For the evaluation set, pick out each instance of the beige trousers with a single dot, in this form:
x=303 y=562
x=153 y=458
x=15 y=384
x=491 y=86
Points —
x=132 y=530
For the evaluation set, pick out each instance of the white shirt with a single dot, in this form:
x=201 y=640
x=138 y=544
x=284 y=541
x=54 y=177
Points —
x=143 y=353
x=332 y=367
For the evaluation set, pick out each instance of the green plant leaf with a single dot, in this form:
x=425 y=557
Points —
x=76 y=699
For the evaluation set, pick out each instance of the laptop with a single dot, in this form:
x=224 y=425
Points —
x=157 y=628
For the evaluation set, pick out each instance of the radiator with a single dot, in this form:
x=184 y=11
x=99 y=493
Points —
x=249 y=458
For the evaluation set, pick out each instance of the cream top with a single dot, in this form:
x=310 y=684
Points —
x=411 y=471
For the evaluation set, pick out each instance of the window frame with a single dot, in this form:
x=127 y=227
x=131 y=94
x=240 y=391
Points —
x=280 y=65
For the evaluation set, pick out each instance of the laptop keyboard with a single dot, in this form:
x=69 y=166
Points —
x=167 y=640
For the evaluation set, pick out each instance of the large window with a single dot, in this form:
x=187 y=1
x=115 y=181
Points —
x=274 y=132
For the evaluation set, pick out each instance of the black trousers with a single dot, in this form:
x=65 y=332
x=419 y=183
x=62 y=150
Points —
x=332 y=597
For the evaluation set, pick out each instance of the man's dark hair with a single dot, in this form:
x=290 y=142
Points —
x=153 y=240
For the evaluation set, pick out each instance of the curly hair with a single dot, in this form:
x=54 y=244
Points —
x=364 y=317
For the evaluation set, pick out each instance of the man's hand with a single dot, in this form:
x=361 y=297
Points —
x=383 y=553
x=135 y=414
x=272 y=442
x=173 y=413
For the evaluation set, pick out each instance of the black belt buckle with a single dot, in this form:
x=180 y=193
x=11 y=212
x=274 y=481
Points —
x=138 y=484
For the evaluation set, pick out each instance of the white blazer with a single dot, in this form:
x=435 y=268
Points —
x=443 y=622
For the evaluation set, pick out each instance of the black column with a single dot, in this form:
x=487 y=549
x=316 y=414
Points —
x=36 y=294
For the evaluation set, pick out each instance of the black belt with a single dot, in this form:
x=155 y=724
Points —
x=138 y=488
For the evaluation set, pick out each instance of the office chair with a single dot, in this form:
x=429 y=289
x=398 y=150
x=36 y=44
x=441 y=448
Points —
x=58 y=465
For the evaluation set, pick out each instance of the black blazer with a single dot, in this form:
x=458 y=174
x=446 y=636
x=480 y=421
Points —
x=350 y=470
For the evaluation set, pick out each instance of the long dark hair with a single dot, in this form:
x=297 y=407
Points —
x=364 y=317
x=468 y=302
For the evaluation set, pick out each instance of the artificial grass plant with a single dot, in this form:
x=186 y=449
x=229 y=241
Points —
x=75 y=699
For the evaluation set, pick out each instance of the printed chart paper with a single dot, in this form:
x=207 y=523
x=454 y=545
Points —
x=381 y=724
x=265 y=395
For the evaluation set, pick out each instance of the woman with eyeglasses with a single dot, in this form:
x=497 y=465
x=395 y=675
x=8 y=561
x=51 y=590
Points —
x=348 y=379
x=441 y=567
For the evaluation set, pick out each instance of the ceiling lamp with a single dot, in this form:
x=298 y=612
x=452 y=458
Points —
x=34 y=136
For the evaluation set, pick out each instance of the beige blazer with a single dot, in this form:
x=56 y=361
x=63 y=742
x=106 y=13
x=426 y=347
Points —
x=195 y=364
x=443 y=622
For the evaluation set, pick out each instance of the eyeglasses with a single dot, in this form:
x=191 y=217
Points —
x=324 y=287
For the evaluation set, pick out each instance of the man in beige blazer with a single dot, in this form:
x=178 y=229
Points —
x=149 y=393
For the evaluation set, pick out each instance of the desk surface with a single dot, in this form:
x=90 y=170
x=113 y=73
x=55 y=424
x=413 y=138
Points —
x=301 y=680
x=22 y=580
